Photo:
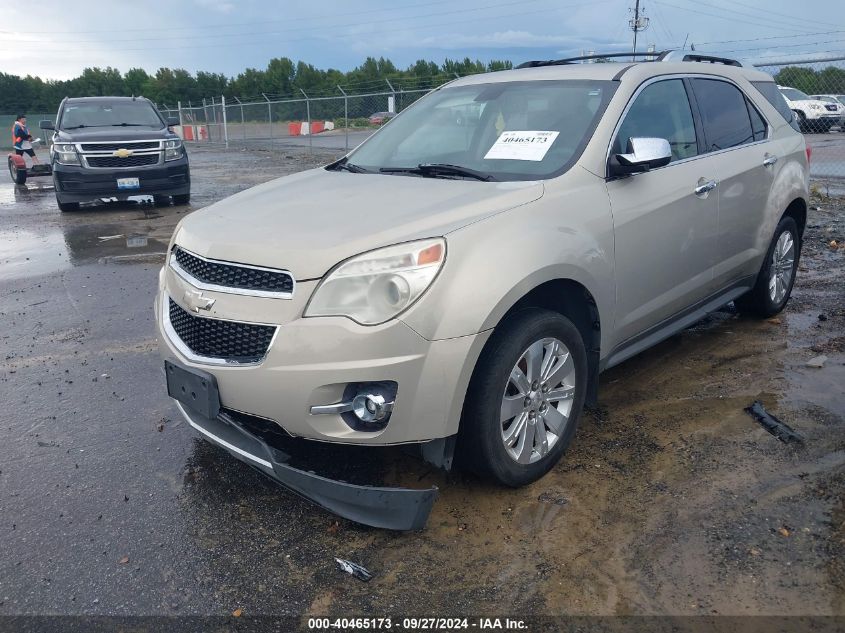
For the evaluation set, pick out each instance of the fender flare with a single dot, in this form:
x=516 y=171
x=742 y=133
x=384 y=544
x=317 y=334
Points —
x=19 y=162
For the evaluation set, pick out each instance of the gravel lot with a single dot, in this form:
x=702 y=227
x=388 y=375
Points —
x=672 y=500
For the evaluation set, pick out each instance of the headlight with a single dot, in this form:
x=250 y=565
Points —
x=66 y=153
x=377 y=286
x=172 y=149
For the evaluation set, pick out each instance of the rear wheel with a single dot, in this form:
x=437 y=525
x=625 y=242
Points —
x=183 y=198
x=525 y=398
x=777 y=276
x=18 y=175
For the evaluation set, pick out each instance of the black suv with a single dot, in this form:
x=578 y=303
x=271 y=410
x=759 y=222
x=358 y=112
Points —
x=116 y=147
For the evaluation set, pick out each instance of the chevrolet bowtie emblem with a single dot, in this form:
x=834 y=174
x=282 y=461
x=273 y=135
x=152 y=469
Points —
x=195 y=300
x=123 y=153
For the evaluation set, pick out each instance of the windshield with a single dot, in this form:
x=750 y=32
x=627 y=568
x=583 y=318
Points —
x=524 y=130
x=106 y=114
x=794 y=95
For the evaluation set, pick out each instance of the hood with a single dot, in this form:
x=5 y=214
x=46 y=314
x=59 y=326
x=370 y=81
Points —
x=309 y=222
x=113 y=134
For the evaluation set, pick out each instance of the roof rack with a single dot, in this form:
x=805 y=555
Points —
x=658 y=56
x=572 y=60
x=683 y=56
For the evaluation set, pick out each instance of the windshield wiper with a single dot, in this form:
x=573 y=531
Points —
x=433 y=170
x=129 y=125
x=345 y=165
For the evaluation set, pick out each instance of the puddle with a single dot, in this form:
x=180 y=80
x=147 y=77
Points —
x=108 y=242
x=26 y=254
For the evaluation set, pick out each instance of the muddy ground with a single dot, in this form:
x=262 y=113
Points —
x=672 y=499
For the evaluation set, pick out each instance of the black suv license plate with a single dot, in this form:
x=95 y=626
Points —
x=195 y=389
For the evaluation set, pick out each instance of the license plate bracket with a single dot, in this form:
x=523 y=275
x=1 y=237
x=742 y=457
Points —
x=195 y=389
x=128 y=183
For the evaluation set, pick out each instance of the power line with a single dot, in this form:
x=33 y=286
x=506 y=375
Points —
x=772 y=37
x=785 y=15
x=723 y=17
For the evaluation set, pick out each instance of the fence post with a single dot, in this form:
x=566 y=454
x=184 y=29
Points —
x=345 y=115
x=243 y=122
x=269 y=113
x=225 y=122
x=310 y=129
x=392 y=94
x=179 y=105
x=205 y=114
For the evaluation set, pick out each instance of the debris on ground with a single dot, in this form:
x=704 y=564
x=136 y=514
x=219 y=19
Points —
x=780 y=430
x=238 y=612
x=123 y=560
x=552 y=498
x=354 y=569
x=817 y=361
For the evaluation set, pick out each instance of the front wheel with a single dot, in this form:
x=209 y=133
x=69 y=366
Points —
x=777 y=276
x=18 y=175
x=525 y=398
x=183 y=198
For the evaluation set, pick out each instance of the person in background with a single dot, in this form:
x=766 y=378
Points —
x=21 y=139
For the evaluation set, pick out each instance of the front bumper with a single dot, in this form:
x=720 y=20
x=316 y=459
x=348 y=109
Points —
x=389 y=508
x=312 y=360
x=80 y=184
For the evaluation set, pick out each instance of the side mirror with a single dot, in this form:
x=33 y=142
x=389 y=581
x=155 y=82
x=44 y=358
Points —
x=172 y=120
x=643 y=153
x=46 y=124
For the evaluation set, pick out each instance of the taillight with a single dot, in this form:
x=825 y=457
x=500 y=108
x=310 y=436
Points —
x=809 y=154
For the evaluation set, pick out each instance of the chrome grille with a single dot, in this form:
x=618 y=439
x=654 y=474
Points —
x=111 y=147
x=217 y=339
x=230 y=276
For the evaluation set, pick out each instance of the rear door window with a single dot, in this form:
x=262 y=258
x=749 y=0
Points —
x=724 y=114
x=758 y=123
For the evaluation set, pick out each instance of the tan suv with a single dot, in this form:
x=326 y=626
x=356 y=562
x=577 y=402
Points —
x=460 y=280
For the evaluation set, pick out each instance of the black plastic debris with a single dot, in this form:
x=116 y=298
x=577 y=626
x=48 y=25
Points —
x=355 y=569
x=780 y=430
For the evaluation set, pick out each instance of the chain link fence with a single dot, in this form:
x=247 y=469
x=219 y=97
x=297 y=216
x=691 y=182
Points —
x=334 y=123
x=814 y=88
x=815 y=91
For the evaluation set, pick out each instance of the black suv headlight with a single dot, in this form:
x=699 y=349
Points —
x=66 y=153
x=173 y=149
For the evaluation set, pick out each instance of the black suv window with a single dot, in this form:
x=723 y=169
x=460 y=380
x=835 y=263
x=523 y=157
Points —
x=724 y=113
x=661 y=110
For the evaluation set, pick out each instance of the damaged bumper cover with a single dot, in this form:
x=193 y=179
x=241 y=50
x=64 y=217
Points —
x=382 y=507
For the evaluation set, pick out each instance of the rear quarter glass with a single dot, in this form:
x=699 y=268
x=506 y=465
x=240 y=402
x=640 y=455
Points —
x=773 y=95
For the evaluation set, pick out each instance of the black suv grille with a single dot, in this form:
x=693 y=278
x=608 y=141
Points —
x=233 y=275
x=215 y=338
x=116 y=161
x=110 y=147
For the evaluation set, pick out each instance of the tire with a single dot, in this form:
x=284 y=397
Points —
x=493 y=394
x=182 y=198
x=161 y=201
x=771 y=292
x=802 y=121
x=18 y=175
x=67 y=206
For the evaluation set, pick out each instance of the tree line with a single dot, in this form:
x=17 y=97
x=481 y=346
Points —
x=283 y=77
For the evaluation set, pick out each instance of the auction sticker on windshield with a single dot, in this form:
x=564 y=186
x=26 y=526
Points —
x=523 y=145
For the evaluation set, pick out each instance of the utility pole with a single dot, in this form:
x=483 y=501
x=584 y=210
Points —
x=638 y=23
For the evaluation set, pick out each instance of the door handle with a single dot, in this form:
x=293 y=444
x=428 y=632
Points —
x=769 y=161
x=705 y=187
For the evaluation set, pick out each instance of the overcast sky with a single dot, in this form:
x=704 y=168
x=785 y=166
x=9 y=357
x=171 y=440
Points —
x=58 y=38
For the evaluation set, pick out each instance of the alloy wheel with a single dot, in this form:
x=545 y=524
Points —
x=537 y=401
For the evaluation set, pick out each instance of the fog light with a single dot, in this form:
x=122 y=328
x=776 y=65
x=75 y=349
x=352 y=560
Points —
x=369 y=407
